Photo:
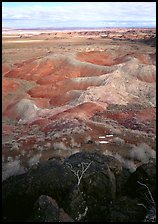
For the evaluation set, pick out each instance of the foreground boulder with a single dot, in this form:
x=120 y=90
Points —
x=91 y=197
x=46 y=210
x=143 y=183
x=20 y=192
x=125 y=209
x=84 y=187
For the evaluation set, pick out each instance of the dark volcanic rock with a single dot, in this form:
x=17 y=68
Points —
x=126 y=209
x=143 y=185
x=75 y=204
x=86 y=186
x=144 y=174
x=45 y=210
x=99 y=185
x=64 y=217
x=49 y=178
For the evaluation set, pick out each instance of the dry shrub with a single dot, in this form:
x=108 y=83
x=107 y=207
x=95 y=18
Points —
x=142 y=153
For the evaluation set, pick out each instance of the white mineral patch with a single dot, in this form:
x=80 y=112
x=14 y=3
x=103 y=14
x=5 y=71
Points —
x=109 y=136
x=103 y=142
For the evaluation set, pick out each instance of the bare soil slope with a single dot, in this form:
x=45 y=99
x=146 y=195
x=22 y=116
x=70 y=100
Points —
x=61 y=94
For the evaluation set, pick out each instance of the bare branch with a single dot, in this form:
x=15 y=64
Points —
x=152 y=200
x=143 y=206
x=79 y=173
x=82 y=215
x=148 y=199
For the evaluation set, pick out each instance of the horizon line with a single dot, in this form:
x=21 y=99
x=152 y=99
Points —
x=77 y=27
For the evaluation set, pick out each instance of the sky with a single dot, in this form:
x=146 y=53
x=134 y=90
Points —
x=78 y=14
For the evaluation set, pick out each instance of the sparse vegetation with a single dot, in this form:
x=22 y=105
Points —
x=143 y=153
x=34 y=159
x=12 y=168
x=128 y=164
x=151 y=205
x=60 y=146
x=79 y=171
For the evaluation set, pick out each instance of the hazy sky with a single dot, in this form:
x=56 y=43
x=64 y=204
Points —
x=78 y=14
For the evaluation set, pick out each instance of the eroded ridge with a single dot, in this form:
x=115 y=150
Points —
x=88 y=100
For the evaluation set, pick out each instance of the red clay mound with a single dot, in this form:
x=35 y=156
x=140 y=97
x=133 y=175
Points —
x=42 y=122
x=65 y=98
x=5 y=69
x=52 y=70
x=61 y=81
x=61 y=87
x=42 y=92
x=88 y=109
x=142 y=114
x=147 y=114
x=100 y=58
x=32 y=71
x=63 y=71
x=60 y=74
x=137 y=120
x=7 y=129
x=83 y=111
x=9 y=110
x=148 y=59
x=147 y=74
x=42 y=102
x=50 y=79
x=8 y=86
x=142 y=71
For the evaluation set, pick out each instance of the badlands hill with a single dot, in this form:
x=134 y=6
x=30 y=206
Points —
x=69 y=92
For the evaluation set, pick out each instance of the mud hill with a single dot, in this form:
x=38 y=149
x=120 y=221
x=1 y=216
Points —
x=79 y=125
x=63 y=99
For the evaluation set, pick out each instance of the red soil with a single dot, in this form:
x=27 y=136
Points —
x=42 y=102
x=56 y=80
x=41 y=92
x=5 y=69
x=9 y=86
x=144 y=59
x=42 y=122
x=31 y=71
x=151 y=78
x=27 y=142
x=58 y=90
x=8 y=129
x=61 y=99
x=10 y=110
x=136 y=120
x=142 y=115
x=146 y=114
x=83 y=111
x=100 y=58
